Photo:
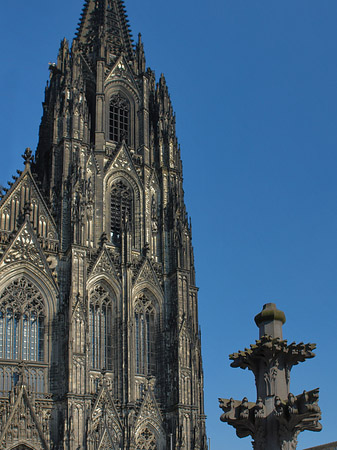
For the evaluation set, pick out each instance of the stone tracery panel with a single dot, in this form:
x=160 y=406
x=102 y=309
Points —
x=22 y=321
x=121 y=209
x=145 y=334
x=133 y=202
x=146 y=440
x=101 y=328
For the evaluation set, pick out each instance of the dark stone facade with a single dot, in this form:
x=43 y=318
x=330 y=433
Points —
x=99 y=337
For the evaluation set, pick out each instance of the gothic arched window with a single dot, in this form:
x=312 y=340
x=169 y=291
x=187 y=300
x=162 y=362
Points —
x=119 y=118
x=121 y=209
x=22 y=322
x=146 y=440
x=101 y=328
x=145 y=322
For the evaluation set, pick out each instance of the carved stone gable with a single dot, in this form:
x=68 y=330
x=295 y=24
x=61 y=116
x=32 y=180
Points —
x=105 y=427
x=120 y=71
x=24 y=422
x=79 y=307
x=147 y=274
x=149 y=410
x=107 y=440
x=105 y=264
x=122 y=161
x=153 y=180
x=25 y=192
x=92 y=163
x=25 y=248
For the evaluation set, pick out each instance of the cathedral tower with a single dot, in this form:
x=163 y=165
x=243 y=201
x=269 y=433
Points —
x=99 y=337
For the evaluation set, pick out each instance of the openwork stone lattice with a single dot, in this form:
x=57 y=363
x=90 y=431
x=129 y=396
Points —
x=22 y=294
x=25 y=250
x=146 y=440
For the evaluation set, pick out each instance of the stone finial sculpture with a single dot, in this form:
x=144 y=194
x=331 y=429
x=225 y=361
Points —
x=277 y=417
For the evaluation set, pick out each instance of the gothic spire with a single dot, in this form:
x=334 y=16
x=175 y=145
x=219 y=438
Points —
x=104 y=31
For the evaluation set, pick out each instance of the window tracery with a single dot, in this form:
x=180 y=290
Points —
x=119 y=118
x=121 y=209
x=146 y=440
x=22 y=322
x=101 y=328
x=145 y=330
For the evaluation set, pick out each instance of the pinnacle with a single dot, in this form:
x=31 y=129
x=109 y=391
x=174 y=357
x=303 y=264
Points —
x=104 y=23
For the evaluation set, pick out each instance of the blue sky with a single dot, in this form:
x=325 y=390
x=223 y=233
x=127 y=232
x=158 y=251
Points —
x=254 y=86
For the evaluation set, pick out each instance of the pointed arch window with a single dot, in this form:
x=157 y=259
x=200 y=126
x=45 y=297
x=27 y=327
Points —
x=101 y=328
x=145 y=330
x=22 y=322
x=121 y=209
x=119 y=118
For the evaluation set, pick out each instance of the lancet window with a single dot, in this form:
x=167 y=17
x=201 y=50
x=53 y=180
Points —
x=119 y=118
x=145 y=329
x=22 y=322
x=101 y=328
x=146 y=440
x=121 y=209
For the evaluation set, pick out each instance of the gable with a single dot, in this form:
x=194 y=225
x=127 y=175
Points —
x=147 y=274
x=104 y=265
x=121 y=72
x=92 y=163
x=149 y=410
x=122 y=160
x=34 y=424
x=26 y=248
x=79 y=308
x=104 y=422
x=105 y=404
x=25 y=195
x=153 y=181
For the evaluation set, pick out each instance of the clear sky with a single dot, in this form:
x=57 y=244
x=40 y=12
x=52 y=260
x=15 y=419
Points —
x=254 y=86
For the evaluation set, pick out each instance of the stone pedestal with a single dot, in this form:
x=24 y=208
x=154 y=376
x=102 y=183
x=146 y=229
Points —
x=277 y=417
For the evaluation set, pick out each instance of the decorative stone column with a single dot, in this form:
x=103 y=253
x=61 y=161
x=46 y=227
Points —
x=277 y=417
